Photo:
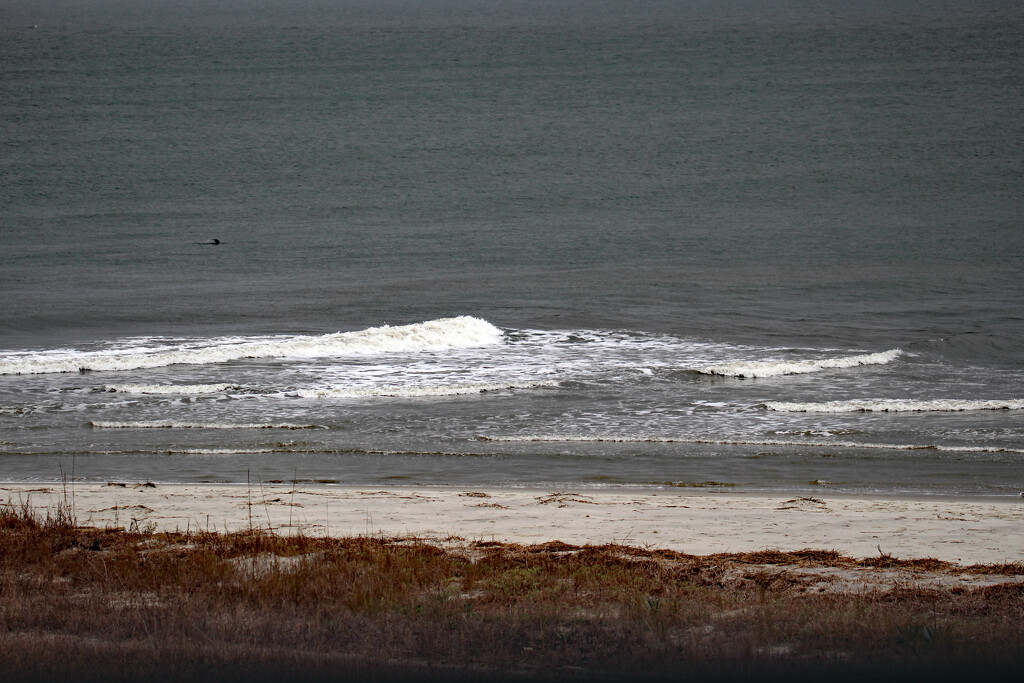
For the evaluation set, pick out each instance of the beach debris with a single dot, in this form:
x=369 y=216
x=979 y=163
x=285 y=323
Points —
x=801 y=504
x=563 y=498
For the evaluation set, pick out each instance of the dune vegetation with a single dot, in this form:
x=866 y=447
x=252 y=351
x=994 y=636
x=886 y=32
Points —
x=80 y=603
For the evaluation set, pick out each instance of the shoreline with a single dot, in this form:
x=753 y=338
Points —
x=964 y=531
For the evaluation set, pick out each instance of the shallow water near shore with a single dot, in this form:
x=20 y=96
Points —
x=743 y=245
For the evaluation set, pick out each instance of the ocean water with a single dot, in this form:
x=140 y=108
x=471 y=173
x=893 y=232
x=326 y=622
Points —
x=772 y=245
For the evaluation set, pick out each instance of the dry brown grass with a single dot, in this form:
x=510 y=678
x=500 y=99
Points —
x=89 y=604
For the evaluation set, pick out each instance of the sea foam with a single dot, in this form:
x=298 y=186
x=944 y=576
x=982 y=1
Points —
x=778 y=368
x=173 y=389
x=418 y=391
x=433 y=335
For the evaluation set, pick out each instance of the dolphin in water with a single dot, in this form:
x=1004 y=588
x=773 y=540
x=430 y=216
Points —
x=213 y=241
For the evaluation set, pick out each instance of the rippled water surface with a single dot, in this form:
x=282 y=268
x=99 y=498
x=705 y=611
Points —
x=761 y=244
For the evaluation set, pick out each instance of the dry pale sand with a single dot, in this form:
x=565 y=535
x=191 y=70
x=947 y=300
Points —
x=967 y=531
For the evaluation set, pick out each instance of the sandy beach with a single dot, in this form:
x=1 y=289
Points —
x=965 y=531
x=504 y=584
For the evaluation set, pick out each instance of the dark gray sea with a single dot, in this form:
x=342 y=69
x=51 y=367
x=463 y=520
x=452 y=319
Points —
x=776 y=245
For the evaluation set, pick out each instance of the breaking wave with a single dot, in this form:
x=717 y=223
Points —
x=433 y=335
x=754 y=369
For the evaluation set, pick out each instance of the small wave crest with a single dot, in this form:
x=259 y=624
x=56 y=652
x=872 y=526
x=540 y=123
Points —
x=433 y=335
x=974 y=347
x=753 y=369
x=894 y=406
x=97 y=424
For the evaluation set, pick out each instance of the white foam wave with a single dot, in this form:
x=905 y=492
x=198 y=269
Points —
x=893 y=406
x=433 y=335
x=418 y=391
x=176 y=389
x=749 y=442
x=222 y=451
x=195 y=425
x=778 y=368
